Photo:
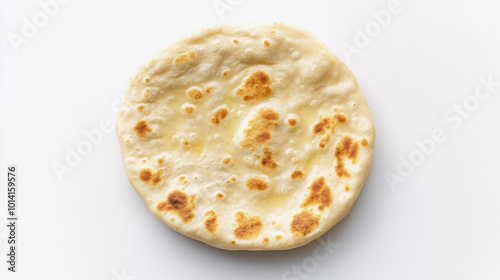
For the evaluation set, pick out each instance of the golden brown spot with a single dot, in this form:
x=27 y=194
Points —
x=147 y=80
x=145 y=174
x=297 y=174
x=340 y=118
x=195 y=93
x=161 y=160
x=185 y=143
x=278 y=237
x=269 y=114
x=327 y=126
x=188 y=109
x=266 y=43
x=248 y=227
x=256 y=184
x=219 y=195
x=292 y=122
x=226 y=160
x=208 y=89
x=143 y=160
x=265 y=240
x=274 y=222
x=224 y=73
x=140 y=108
x=184 y=57
x=211 y=221
x=304 y=223
x=182 y=178
x=321 y=126
x=364 y=142
x=172 y=219
x=255 y=87
x=233 y=179
x=235 y=41
x=259 y=130
x=263 y=137
x=320 y=194
x=220 y=114
x=268 y=161
x=179 y=203
x=273 y=31
x=346 y=148
x=233 y=242
x=142 y=129
x=228 y=181
x=346 y=188
x=149 y=177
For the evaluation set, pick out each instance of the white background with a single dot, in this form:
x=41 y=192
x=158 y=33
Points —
x=442 y=222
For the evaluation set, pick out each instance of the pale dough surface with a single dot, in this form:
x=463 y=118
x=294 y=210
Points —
x=247 y=137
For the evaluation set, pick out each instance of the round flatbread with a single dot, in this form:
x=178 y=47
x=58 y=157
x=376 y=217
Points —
x=247 y=137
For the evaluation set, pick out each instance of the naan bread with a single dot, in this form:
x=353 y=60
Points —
x=247 y=137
